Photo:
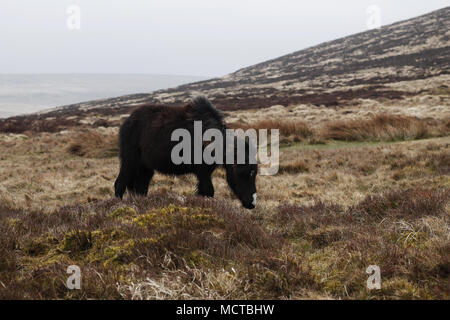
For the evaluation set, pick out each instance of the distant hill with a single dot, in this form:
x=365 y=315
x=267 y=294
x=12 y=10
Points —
x=26 y=93
x=361 y=65
x=384 y=63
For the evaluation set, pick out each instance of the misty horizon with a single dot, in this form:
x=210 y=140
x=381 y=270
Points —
x=27 y=93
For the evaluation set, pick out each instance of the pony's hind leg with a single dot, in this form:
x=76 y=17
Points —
x=142 y=181
x=129 y=157
x=120 y=185
x=127 y=175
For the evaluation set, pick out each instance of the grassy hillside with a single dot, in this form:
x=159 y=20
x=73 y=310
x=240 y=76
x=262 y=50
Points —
x=351 y=192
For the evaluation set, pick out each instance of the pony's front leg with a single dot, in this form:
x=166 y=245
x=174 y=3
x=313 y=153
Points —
x=205 y=187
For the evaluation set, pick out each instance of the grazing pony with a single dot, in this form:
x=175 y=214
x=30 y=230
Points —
x=146 y=146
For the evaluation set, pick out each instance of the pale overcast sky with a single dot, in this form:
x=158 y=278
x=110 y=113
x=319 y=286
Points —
x=190 y=37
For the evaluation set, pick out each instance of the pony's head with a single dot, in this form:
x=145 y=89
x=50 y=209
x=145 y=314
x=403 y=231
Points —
x=241 y=177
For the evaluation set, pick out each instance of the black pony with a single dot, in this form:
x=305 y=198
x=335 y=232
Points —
x=146 y=146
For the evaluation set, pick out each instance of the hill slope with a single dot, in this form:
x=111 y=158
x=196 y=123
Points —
x=394 y=62
x=361 y=65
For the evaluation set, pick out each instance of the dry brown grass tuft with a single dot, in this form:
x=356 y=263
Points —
x=293 y=167
x=405 y=204
x=93 y=144
x=446 y=127
x=382 y=127
x=21 y=124
x=288 y=128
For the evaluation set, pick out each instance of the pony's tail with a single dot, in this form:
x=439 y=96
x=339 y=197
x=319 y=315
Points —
x=129 y=157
